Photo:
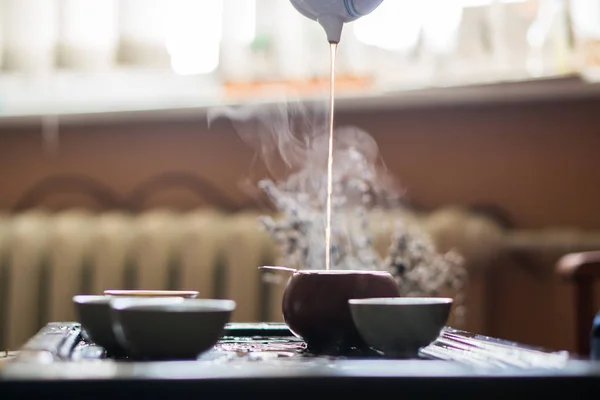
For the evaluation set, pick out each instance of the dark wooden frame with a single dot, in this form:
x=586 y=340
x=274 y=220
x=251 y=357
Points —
x=107 y=198
x=582 y=270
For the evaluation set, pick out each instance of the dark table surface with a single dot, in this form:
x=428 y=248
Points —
x=83 y=372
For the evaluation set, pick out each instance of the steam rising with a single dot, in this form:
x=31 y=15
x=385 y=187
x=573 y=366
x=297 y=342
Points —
x=292 y=141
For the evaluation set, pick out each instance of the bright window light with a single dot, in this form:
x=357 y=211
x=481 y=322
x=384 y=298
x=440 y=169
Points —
x=441 y=27
x=242 y=13
x=479 y=3
x=193 y=35
x=84 y=30
x=394 y=25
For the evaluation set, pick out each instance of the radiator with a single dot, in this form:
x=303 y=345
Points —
x=49 y=258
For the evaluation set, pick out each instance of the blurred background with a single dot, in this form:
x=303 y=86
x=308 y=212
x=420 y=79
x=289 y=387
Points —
x=110 y=177
x=62 y=56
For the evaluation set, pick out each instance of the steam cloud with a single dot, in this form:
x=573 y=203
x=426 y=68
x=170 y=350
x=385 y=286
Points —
x=293 y=138
x=294 y=135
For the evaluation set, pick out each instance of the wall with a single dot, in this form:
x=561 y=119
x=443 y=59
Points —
x=536 y=161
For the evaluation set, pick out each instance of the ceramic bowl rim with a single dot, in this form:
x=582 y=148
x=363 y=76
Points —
x=341 y=272
x=192 y=294
x=401 y=301
x=91 y=299
x=123 y=302
x=173 y=304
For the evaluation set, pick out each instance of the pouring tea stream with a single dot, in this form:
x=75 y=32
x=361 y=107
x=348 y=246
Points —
x=332 y=15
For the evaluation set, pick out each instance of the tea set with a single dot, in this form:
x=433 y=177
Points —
x=332 y=311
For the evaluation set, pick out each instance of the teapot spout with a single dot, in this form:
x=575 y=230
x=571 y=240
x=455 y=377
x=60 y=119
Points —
x=278 y=268
x=333 y=25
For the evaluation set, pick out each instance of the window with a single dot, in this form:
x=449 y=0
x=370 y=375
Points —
x=395 y=25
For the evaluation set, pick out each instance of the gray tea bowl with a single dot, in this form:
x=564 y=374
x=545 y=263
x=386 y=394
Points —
x=399 y=327
x=157 y=329
x=93 y=313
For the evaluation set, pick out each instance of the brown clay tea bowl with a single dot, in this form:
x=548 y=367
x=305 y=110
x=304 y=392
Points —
x=315 y=305
x=400 y=327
